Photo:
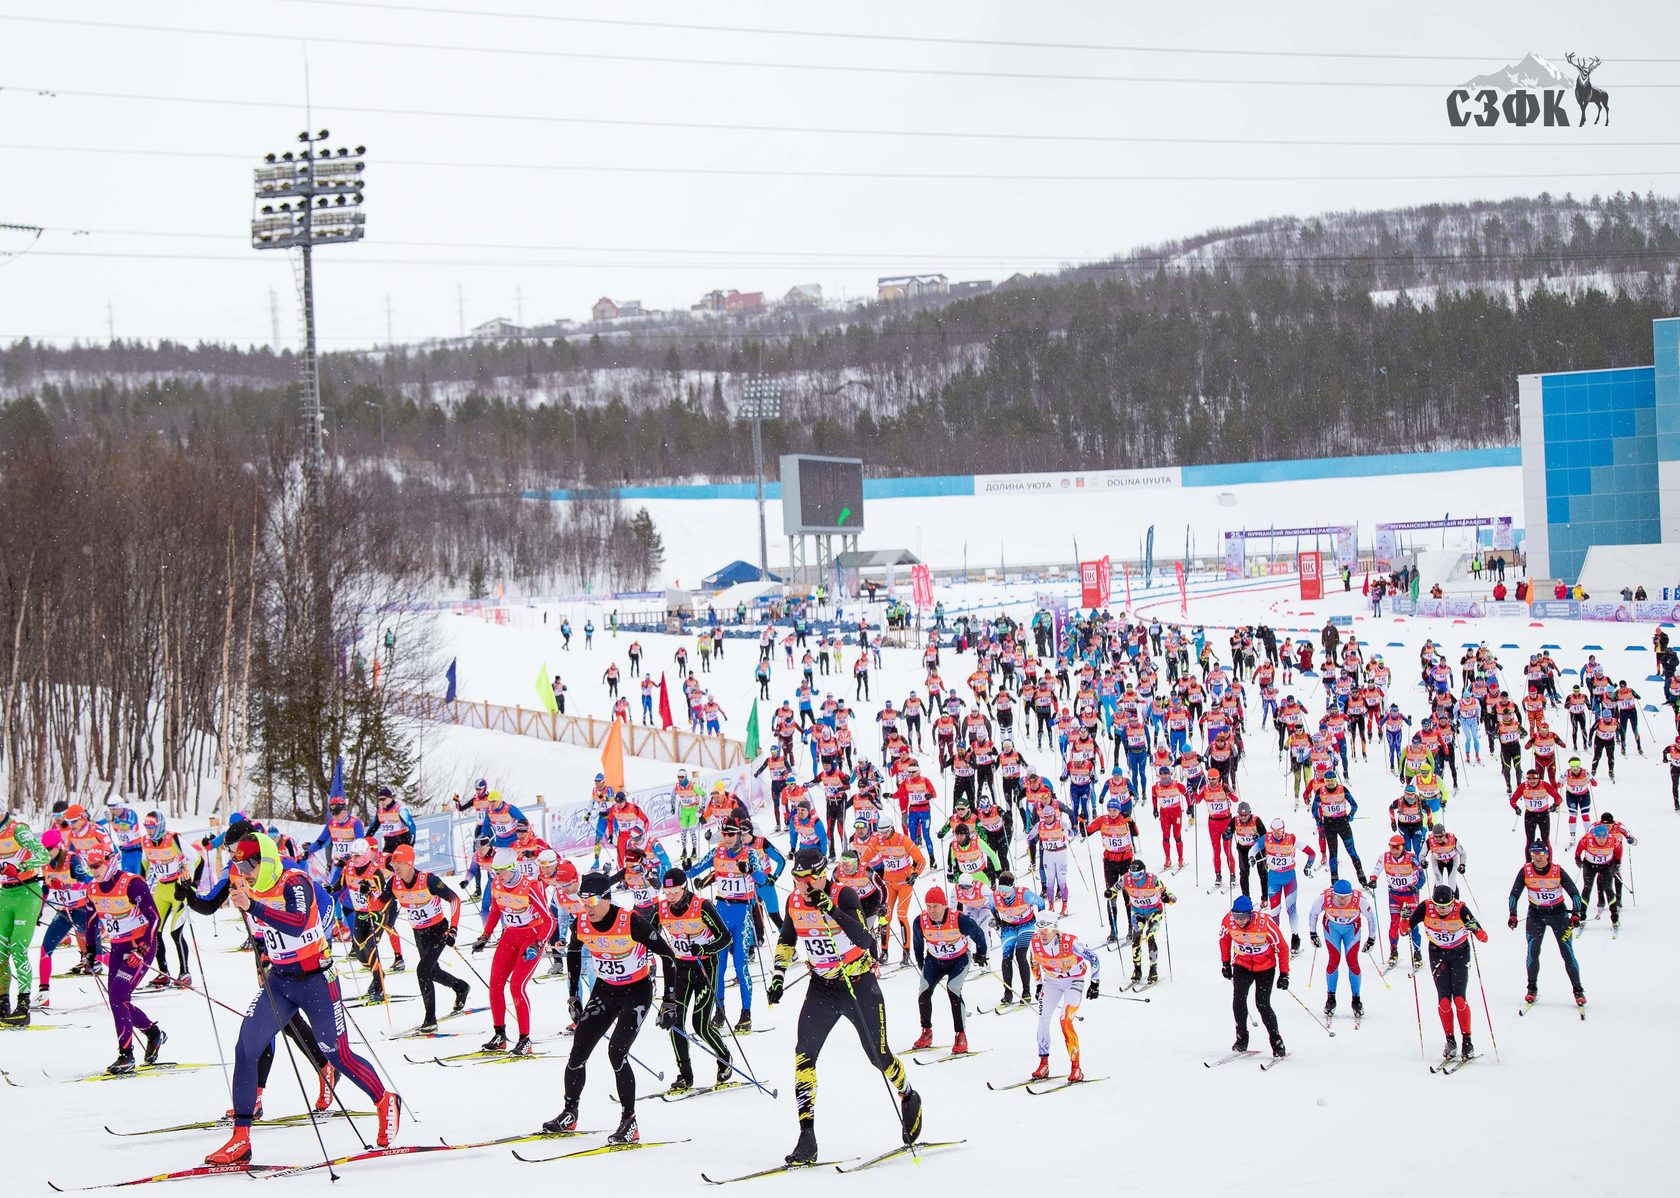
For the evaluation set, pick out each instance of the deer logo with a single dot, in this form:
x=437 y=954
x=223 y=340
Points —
x=1585 y=92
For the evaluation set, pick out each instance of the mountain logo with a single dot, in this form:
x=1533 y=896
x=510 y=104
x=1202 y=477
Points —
x=1532 y=91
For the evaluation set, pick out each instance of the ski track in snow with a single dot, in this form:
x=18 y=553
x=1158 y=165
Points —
x=1342 y=1095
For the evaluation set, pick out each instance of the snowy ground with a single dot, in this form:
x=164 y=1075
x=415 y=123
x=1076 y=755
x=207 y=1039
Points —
x=1359 y=1110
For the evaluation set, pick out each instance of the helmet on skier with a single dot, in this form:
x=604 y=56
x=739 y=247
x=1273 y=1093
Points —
x=1045 y=922
x=1243 y=808
x=1443 y=895
x=359 y=849
x=1397 y=841
x=968 y=880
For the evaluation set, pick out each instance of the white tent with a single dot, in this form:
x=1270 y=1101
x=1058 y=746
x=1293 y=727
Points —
x=744 y=592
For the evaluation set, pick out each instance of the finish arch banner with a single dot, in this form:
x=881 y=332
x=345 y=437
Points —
x=1312 y=581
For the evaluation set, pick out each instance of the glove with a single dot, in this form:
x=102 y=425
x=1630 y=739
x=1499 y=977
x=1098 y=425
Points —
x=1370 y=943
x=1574 y=919
x=980 y=961
x=365 y=887
x=1316 y=942
x=531 y=953
x=1481 y=935
x=670 y=1014
x=1283 y=981
x=8 y=871
x=1461 y=867
x=822 y=900
x=1512 y=921
x=773 y=992
x=1306 y=869
x=133 y=961
x=574 y=1008
x=1091 y=990
x=1227 y=971
x=478 y=946
x=206 y=841
x=1038 y=991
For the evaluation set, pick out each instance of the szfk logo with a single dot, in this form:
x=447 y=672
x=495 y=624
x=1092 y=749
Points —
x=1534 y=91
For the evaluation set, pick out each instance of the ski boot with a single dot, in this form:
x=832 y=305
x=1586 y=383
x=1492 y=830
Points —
x=390 y=1115
x=154 y=1037
x=959 y=1046
x=1008 y=997
x=43 y=1000
x=161 y=982
x=325 y=1083
x=1450 y=1050
x=683 y=1083
x=1528 y=999
x=1294 y=943
x=1358 y=1008
x=184 y=982
x=1240 y=1044
x=1075 y=1072
x=522 y=1048
x=1043 y=1070
x=925 y=1040
x=1218 y=881
x=557 y=965
x=375 y=992
x=1417 y=958
x=565 y=1121
x=804 y=1151
x=725 y=1072
x=1580 y=997
x=1330 y=1006
x=124 y=1064
x=428 y=1025
x=1469 y=1049
x=461 y=996
x=235 y=1152
x=910 y=1115
x=1393 y=956
x=1137 y=974
x=627 y=1132
x=19 y=1015
x=497 y=1042
x=1278 y=1049
x=1154 y=974
x=744 y=1023
x=398 y=964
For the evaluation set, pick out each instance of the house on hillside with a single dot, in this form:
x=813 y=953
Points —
x=971 y=287
x=1015 y=280
x=903 y=287
x=805 y=295
x=743 y=301
x=499 y=329
x=604 y=309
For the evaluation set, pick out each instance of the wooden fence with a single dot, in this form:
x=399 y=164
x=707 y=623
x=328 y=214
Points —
x=640 y=740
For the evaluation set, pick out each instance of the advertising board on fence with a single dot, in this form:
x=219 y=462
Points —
x=1607 y=609
x=1660 y=612
x=1084 y=483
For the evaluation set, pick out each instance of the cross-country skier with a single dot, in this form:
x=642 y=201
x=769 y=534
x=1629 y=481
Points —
x=1548 y=885
x=1347 y=919
x=1449 y=924
x=1250 y=949
x=1061 y=964
x=940 y=938
x=825 y=922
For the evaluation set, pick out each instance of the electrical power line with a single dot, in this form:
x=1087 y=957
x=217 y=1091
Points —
x=782 y=171
x=1550 y=146
x=914 y=39
x=743 y=64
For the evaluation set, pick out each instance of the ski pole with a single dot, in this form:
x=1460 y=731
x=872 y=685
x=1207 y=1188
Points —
x=1166 y=934
x=724 y=1061
x=217 y=1031
x=1417 y=1005
x=1312 y=967
x=471 y=966
x=894 y=1096
x=1486 y=1013
x=1324 y=1027
x=1382 y=974
x=657 y=1075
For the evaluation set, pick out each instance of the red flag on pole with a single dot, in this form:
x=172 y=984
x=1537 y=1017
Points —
x=1183 y=594
x=1127 y=569
x=921 y=586
x=664 y=703
x=1365 y=589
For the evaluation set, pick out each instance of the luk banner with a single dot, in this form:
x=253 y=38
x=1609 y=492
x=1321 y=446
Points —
x=1183 y=593
x=921 y=586
x=1090 y=584
x=1312 y=582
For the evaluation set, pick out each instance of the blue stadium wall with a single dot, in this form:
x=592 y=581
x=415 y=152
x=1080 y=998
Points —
x=1228 y=475
x=1601 y=457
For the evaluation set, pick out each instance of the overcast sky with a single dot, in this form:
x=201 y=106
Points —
x=146 y=198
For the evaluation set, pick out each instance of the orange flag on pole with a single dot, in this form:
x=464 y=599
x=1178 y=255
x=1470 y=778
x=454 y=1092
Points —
x=612 y=756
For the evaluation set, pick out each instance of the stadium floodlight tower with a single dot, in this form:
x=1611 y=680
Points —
x=761 y=400
x=307 y=198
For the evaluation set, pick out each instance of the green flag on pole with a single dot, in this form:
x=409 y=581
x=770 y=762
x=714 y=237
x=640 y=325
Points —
x=545 y=690
x=752 y=733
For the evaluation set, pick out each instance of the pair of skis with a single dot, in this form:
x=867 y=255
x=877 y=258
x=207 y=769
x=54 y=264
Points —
x=1265 y=1065
x=839 y=1166
x=1051 y=1088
